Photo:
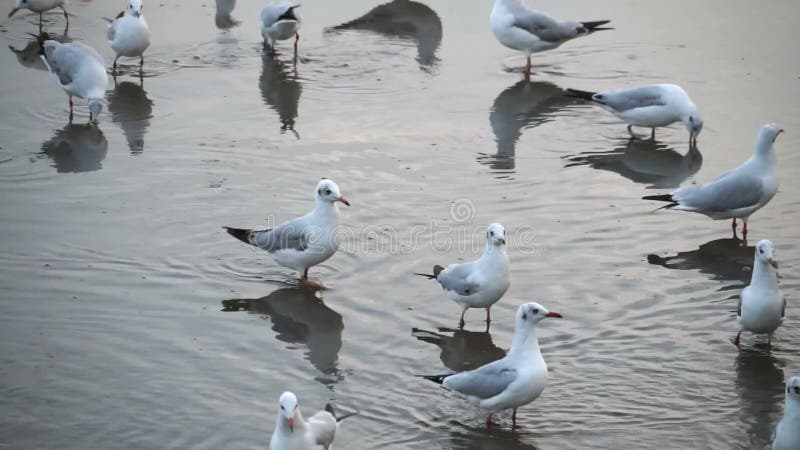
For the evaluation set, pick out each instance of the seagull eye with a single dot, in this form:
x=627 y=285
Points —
x=282 y=408
x=761 y=250
x=797 y=389
x=524 y=317
x=327 y=192
x=535 y=311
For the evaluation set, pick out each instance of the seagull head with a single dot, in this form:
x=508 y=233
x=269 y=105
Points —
x=496 y=234
x=533 y=313
x=765 y=252
x=694 y=124
x=21 y=4
x=95 y=108
x=288 y=404
x=328 y=191
x=135 y=8
x=793 y=388
x=769 y=132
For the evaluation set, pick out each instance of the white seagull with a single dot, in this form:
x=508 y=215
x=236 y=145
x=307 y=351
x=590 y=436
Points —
x=293 y=432
x=658 y=105
x=513 y=381
x=128 y=34
x=80 y=71
x=737 y=193
x=787 y=434
x=480 y=283
x=305 y=241
x=279 y=22
x=762 y=308
x=40 y=6
x=529 y=31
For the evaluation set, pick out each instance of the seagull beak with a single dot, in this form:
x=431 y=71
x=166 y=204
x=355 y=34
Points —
x=554 y=314
x=13 y=11
x=291 y=423
x=772 y=262
x=343 y=200
x=503 y=240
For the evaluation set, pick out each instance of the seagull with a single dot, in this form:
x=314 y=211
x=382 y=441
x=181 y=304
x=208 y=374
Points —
x=128 y=34
x=529 y=31
x=513 y=381
x=480 y=283
x=279 y=22
x=737 y=193
x=787 y=434
x=762 y=308
x=305 y=241
x=292 y=432
x=657 y=105
x=80 y=71
x=40 y=6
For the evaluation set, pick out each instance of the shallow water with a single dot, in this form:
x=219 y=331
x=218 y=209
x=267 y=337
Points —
x=130 y=319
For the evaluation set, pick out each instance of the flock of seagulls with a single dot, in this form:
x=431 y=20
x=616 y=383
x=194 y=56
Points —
x=521 y=376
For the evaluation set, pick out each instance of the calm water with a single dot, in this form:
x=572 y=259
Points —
x=131 y=320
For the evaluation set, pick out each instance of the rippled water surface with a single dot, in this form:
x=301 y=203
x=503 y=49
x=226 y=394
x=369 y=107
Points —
x=130 y=319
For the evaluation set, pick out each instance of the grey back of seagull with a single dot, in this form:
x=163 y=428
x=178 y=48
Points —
x=641 y=97
x=543 y=26
x=483 y=382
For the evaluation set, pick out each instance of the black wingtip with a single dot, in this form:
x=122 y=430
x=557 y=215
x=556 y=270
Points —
x=595 y=25
x=239 y=233
x=577 y=93
x=426 y=275
x=438 y=379
x=660 y=198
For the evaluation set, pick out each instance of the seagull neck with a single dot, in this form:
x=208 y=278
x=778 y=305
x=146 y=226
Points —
x=764 y=153
x=792 y=409
x=763 y=274
x=492 y=252
x=525 y=341
x=299 y=423
x=324 y=208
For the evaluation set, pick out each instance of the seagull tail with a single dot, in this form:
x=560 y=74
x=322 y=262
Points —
x=662 y=198
x=239 y=233
x=339 y=418
x=577 y=93
x=596 y=25
x=438 y=379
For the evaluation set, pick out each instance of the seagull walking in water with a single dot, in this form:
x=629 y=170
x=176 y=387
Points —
x=762 y=308
x=658 y=105
x=787 y=434
x=293 y=432
x=737 y=193
x=128 y=34
x=80 y=71
x=529 y=31
x=279 y=21
x=513 y=381
x=480 y=283
x=305 y=241
x=39 y=7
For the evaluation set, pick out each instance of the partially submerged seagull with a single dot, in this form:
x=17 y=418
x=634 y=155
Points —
x=128 y=34
x=39 y=7
x=80 y=71
x=293 y=432
x=513 y=381
x=529 y=31
x=279 y=22
x=762 y=308
x=480 y=283
x=652 y=106
x=737 y=193
x=787 y=434
x=305 y=241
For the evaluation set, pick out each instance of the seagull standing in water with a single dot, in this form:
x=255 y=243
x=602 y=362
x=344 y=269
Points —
x=279 y=22
x=480 y=283
x=40 y=6
x=737 y=193
x=787 y=434
x=513 y=381
x=80 y=71
x=128 y=34
x=305 y=241
x=293 y=432
x=653 y=106
x=529 y=31
x=762 y=308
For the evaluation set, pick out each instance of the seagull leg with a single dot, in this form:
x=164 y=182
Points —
x=296 y=38
x=141 y=65
x=114 y=66
x=70 y=109
x=653 y=134
x=736 y=340
x=489 y=420
x=630 y=131
x=514 y=418
x=527 y=68
x=733 y=226
x=744 y=230
x=461 y=322
x=40 y=23
x=66 y=17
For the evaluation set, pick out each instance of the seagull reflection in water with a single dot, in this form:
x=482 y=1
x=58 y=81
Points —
x=760 y=386
x=131 y=109
x=77 y=148
x=725 y=259
x=464 y=350
x=280 y=90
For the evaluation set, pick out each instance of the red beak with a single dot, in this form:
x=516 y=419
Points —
x=343 y=200
x=773 y=262
x=554 y=314
x=291 y=423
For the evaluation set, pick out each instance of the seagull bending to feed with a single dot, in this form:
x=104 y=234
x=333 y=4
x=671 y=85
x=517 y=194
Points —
x=737 y=193
x=787 y=434
x=762 y=308
x=529 y=31
x=305 y=241
x=279 y=22
x=39 y=7
x=293 y=432
x=658 y=105
x=513 y=381
x=128 y=34
x=480 y=283
x=80 y=71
